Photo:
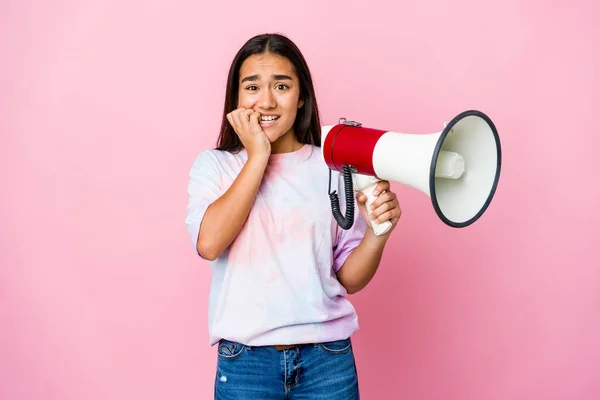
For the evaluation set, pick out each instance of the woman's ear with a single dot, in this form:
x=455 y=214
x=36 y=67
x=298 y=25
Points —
x=300 y=103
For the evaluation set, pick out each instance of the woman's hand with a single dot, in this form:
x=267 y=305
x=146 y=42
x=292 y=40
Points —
x=384 y=208
x=245 y=123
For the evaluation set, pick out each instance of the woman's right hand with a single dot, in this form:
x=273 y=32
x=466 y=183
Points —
x=245 y=123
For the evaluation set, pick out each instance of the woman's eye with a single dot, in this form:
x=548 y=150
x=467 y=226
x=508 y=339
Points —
x=281 y=87
x=251 y=87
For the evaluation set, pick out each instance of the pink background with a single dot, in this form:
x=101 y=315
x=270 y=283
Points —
x=104 y=105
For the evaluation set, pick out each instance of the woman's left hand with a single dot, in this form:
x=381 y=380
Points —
x=385 y=207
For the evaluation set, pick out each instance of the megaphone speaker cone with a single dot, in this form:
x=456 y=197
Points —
x=460 y=202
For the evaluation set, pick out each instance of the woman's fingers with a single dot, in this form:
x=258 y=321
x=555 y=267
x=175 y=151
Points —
x=255 y=122
x=383 y=198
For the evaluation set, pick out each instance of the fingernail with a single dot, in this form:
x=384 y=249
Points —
x=375 y=192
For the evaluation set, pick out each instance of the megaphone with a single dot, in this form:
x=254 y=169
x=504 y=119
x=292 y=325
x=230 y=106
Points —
x=458 y=168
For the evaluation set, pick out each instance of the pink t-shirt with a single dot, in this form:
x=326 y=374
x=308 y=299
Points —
x=276 y=283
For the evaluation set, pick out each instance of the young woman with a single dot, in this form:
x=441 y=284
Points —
x=281 y=266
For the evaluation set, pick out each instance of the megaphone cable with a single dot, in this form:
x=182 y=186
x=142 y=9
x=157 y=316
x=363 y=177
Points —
x=344 y=222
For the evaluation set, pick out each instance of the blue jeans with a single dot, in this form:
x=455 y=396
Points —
x=322 y=371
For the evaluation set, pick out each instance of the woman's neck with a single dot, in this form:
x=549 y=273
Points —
x=286 y=144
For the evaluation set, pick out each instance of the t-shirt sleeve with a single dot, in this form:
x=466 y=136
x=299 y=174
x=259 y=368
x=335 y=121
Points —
x=347 y=240
x=204 y=187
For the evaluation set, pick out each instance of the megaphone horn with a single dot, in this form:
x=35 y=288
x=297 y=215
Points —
x=458 y=168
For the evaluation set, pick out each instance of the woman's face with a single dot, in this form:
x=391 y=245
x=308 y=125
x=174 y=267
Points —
x=269 y=85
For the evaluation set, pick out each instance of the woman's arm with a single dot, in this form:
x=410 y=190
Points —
x=362 y=263
x=226 y=216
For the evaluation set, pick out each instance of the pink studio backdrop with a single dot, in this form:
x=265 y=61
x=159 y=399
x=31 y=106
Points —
x=104 y=105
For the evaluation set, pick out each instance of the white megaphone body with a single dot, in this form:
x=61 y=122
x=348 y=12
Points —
x=458 y=168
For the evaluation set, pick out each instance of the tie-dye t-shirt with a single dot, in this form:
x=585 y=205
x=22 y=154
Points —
x=276 y=283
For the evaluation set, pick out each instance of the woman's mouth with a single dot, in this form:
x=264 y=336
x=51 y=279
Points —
x=268 y=120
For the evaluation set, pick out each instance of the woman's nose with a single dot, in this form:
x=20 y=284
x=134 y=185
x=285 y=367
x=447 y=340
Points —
x=267 y=100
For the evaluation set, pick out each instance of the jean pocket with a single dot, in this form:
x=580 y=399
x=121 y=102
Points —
x=229 y=350
x=337 y=346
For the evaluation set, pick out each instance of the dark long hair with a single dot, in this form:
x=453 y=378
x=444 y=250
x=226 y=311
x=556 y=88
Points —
x=307 y=125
